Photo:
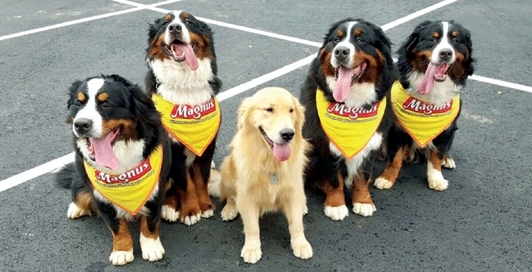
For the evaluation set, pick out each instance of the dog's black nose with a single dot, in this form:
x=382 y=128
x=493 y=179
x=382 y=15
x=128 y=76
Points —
x=341 y=52
x=82 y=125
x=174 y=28
x=446 y=54
x=287 y=134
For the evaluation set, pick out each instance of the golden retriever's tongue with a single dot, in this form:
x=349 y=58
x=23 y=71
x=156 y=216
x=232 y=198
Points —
x=190 y=57
x=427 y=83
x=103 y=151
x=281 y=152
x=343 y=84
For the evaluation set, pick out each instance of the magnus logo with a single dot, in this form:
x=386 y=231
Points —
x=125 y=177
x=353 y=113
x=193 y=112
x=419 y=106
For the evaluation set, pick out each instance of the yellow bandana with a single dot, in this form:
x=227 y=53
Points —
x=193 y=126
x=349 y=129
x=421 y=120
x=129 y=190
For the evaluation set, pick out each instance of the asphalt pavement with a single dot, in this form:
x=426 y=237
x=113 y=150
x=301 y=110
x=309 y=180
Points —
x=482 y=222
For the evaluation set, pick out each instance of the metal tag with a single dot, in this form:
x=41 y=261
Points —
x=273 y=178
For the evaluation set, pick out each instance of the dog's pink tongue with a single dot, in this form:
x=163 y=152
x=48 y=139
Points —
x=281 y=152
x=427 y=83
x=103 y=151
x=190 y=57
x=343 y=84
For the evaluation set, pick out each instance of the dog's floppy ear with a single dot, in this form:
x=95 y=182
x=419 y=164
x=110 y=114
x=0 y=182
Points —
x=299 y=111
x=243 y=111
x=412 y=40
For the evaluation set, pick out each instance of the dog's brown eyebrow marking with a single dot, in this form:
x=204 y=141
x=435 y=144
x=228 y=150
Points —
x=454 y=34
x=81 y=97
x=185 y=15
x=168 y=17
x=357 y=31
x=103 y=97
x=340 y=33
x=436 y=35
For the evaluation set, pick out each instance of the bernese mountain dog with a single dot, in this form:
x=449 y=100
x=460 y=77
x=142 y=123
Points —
x=182 y=80
x=434 y=62
x=122 y=163
x=346 y=117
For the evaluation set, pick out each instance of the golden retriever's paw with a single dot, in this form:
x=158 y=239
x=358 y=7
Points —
x=121 y=257
x=364 y=209
x=448 y=162
x=191 y=219
x=207 y=213
x=302 y=250
x=169 y=214
x=229 y=212
x=251 y=254
x=75 y=212
x=382 y=183
x=152 y=249
x=336 y=213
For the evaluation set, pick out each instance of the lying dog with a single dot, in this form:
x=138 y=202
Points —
x=122 y=162
x=264 y=171
x=434 y=62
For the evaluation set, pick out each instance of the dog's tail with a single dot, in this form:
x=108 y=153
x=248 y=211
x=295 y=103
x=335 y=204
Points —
x=65 y=176
x=215 y=182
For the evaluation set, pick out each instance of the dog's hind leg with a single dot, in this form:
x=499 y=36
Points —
x=388 y=177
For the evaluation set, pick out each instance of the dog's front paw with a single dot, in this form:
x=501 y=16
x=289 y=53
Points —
x=207 y=213
x=76 y=212
x=364 y=209
x=436 y=181
x=169 y=214
x=251 y=254
x=121 y=257
x=190 y=220
x=152 y=249
x=229 y=212
x=448 y=162
x=302 y=249
x=336 y=213
x=382 y=183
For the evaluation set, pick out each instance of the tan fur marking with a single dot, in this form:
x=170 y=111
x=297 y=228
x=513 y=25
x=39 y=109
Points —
x=434 y=160
x=127 y=128
x=436 y=35
x=85 y=202
x=391 y=172
x=81 y=97
x=340 y=33
x=168 y=17
x=357 y=31
x=146 y=231
x=454 y=34
x=202 y=51
x=334 y=196
x=188 y=201
x=122 y=240
x=102 y=97
x=156 y=48
x=325 y=58
x=202 y=193
x=360 y=191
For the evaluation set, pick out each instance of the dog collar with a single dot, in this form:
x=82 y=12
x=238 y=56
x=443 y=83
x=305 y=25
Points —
x=194 y=126
x=349 y=129
x=131 y=189
x=421 y=120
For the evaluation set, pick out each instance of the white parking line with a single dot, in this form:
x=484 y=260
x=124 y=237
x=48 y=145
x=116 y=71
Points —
x=49 y=166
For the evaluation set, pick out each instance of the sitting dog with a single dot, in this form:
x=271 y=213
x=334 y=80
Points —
x=264 y=171
x=122 y=162
x=434 y=61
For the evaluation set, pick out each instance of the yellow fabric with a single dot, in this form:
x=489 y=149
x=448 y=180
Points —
x=421 y=120
x=193 y=126
x=349 y=129
x=129 y=190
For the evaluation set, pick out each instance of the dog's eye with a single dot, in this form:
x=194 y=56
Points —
x=432 y=40
x=270 y=109
x=454 y=40
x=360 y=41
x=105 y=105
x=291 y=110
x=336 y=40
x=187 y=21
x=78 y=104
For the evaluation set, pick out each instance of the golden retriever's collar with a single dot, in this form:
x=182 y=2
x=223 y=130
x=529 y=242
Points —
x=342 y=124
x=423 y=121
x=194 y=126
x=131 y=189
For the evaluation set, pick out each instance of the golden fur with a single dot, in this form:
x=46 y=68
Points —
x=246 y=174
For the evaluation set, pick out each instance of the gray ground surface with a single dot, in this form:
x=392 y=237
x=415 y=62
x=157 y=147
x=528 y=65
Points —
x=482 y=222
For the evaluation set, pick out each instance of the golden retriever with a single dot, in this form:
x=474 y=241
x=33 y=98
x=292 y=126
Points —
x=264 y=172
